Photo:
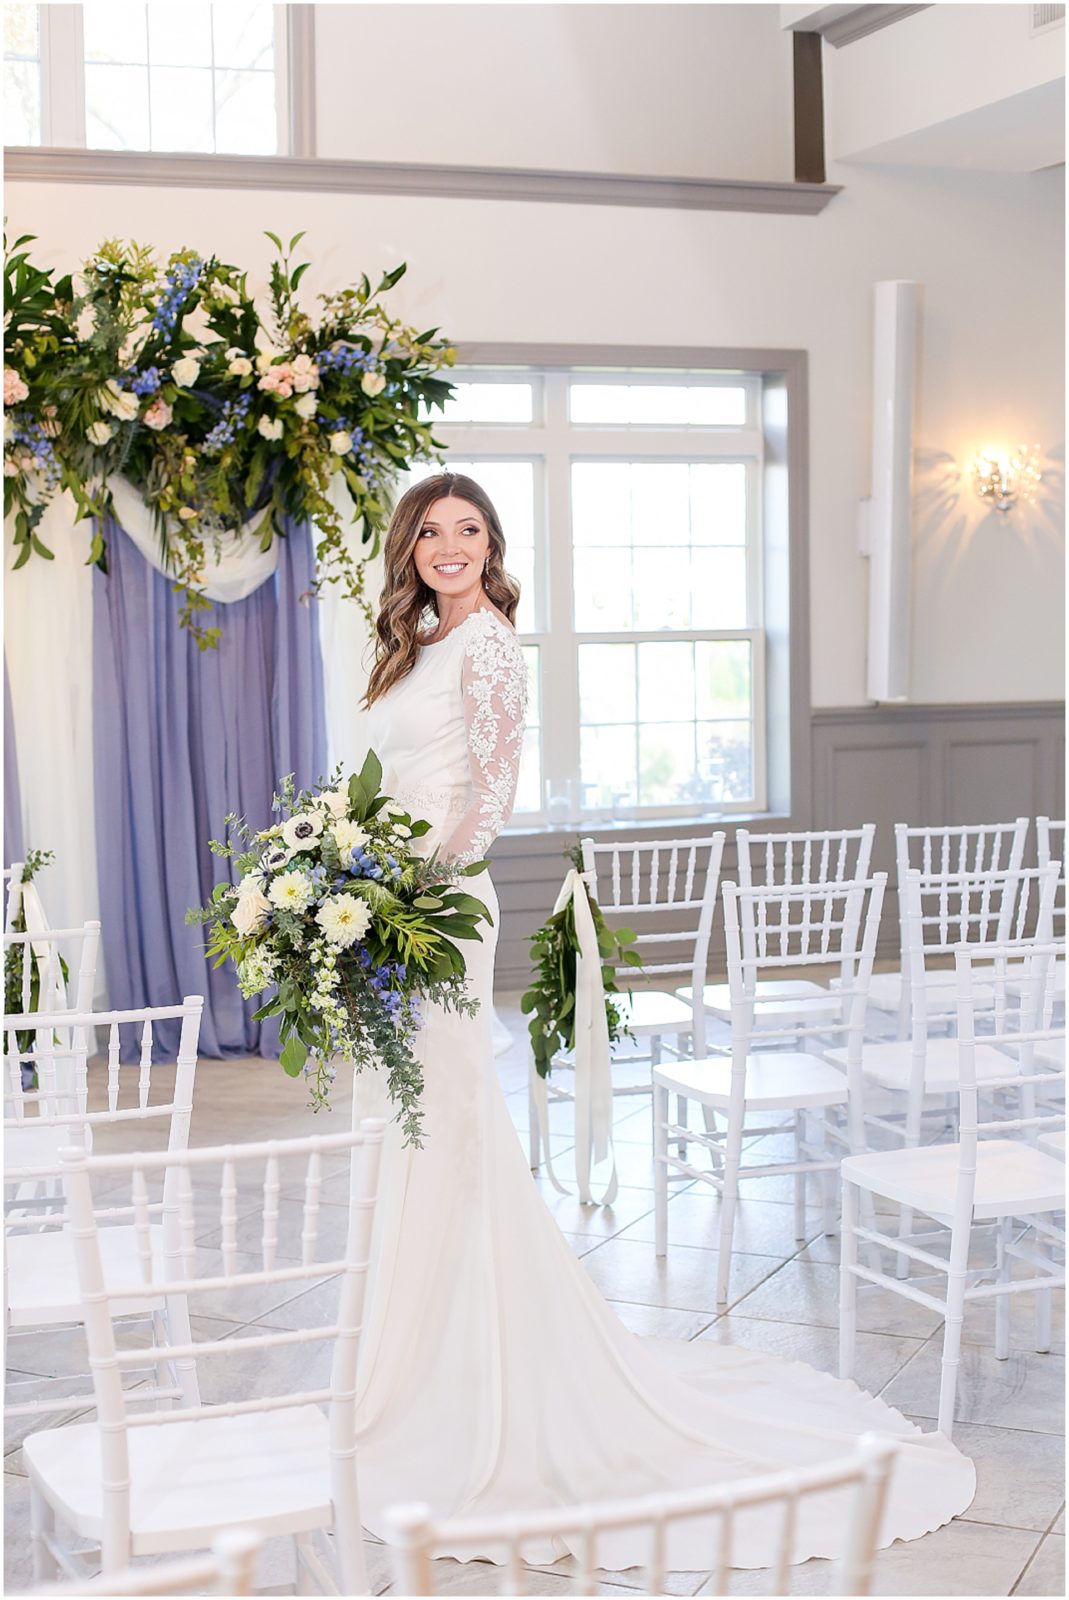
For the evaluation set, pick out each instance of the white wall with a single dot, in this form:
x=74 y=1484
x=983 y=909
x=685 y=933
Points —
x=932 y=68
x=679 y=90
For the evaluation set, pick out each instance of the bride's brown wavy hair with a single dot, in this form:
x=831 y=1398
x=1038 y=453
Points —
x=405 y=596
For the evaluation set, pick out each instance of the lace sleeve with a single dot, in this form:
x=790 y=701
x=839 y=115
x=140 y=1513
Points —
x=494 y=685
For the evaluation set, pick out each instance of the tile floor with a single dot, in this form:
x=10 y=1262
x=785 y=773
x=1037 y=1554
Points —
x=783 y=1300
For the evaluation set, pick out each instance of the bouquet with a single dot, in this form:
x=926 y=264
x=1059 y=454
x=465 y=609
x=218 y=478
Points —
x=220 y=410
x=550 y=1001
x=350 y=928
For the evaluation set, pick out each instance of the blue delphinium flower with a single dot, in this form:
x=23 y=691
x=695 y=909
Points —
x=28 y=433
x=146 y=382
x=344 y=358
x=233 y=415
x=181 y=280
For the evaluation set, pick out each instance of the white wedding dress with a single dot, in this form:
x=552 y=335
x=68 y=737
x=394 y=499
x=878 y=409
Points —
x=493 y=1375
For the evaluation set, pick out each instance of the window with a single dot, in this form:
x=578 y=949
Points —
x=191 y=78
x=631 y=506
x=22 y=74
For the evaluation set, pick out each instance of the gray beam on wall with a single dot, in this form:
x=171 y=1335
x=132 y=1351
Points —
x=157 y=169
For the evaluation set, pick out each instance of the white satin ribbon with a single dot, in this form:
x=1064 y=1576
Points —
x=593 y=1058
x=242 y=566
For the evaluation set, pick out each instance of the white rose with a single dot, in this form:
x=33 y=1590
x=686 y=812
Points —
x=185 y=371
x=341 y=443
x=86 y=323
x=99 y=432
x=305 y=373
x=267 y=358
x=300 y=832
x=305 y=406
x=120 y=403
x=373 y=383
x=269 y=427
x=336 y=801
x=240 y=367
x=347 y=835
x=401 y=830
x=392 y=809
x=250 y=913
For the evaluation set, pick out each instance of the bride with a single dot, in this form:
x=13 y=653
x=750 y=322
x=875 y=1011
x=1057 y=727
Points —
x=493 y=1376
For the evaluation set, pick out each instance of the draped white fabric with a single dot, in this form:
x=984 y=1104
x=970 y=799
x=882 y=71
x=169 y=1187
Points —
x=48 y=646
x=241 y=566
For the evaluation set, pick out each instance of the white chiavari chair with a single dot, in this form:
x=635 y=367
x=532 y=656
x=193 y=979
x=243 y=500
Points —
x=665 y=890
x=151 y=1482
x=230 y=1569
x=983 y=1179
x=151 y=1102
x=769 y=1070
x=38 y=966
x=790 y=860
x=943 y=852
x=12 y=893
x=780 y=1500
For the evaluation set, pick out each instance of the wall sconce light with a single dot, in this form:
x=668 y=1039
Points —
x=1003 y=478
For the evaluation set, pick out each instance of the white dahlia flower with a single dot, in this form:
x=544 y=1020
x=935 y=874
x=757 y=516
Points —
x=291 y=891
x=343 y=919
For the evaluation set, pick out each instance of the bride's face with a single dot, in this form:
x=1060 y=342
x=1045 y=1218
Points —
x=452 y=546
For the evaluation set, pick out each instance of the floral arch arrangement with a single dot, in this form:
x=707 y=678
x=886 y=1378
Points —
x=225 y=420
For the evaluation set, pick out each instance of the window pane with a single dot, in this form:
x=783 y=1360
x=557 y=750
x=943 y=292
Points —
x=660 y=502
x=244 y=35
x=529 y=787
x=601 y=502
x=489 y=402
x=22 y=102
x=116 y=108
x=723 y=678
x=667 y=774
x=718 y=503
x=603 y=590
x=115 y=34
x=719 y=592
x=21 y=36
x=246 y=121
x=725 y=759
x=606 y=683
x=179 y=36
x=510 y=485
x=181 y=108
x=666 y=682
x=662 y=588
x=607 y=763
x=657 y=405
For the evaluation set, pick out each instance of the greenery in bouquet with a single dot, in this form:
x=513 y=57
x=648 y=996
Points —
x=350 y=928
x=220 y=415
x=550 y=1001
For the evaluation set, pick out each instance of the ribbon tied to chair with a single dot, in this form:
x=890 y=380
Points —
x=593 y=1058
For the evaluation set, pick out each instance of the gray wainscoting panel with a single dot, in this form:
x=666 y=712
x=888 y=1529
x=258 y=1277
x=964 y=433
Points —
x=881 y=764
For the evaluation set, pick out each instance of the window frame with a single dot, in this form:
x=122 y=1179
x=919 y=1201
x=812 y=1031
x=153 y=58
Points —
x=62 y=63
x=552 y=442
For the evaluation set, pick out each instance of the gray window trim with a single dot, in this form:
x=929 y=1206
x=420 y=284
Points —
x=785 y=375
x=301 y=87
x=311 y=174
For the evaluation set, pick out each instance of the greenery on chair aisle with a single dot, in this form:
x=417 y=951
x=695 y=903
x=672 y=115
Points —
x=550 y=1001
x=228 y=415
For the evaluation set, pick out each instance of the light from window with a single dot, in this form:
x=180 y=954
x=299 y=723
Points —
x=22 y=75
x=658 y=545
x=189 y=78
x=657 y=405
x=488 y=402
x=529 y=788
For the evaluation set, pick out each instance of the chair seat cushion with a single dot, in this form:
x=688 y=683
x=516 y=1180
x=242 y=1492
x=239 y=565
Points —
x=42 y=1279
x=774 y=1080
x=773 y=997
x=190 y=1479
x=1012 y=1178
x=890 y=1064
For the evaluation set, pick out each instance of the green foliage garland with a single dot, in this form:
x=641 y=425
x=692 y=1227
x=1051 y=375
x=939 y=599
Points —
x=550 y=1001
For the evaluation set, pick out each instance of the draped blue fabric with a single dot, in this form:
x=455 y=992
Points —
x=181 y=737
x=13 y=841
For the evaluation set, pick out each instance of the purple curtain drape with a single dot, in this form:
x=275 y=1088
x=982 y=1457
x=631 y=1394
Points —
x=181 y=737
x=13 y=841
